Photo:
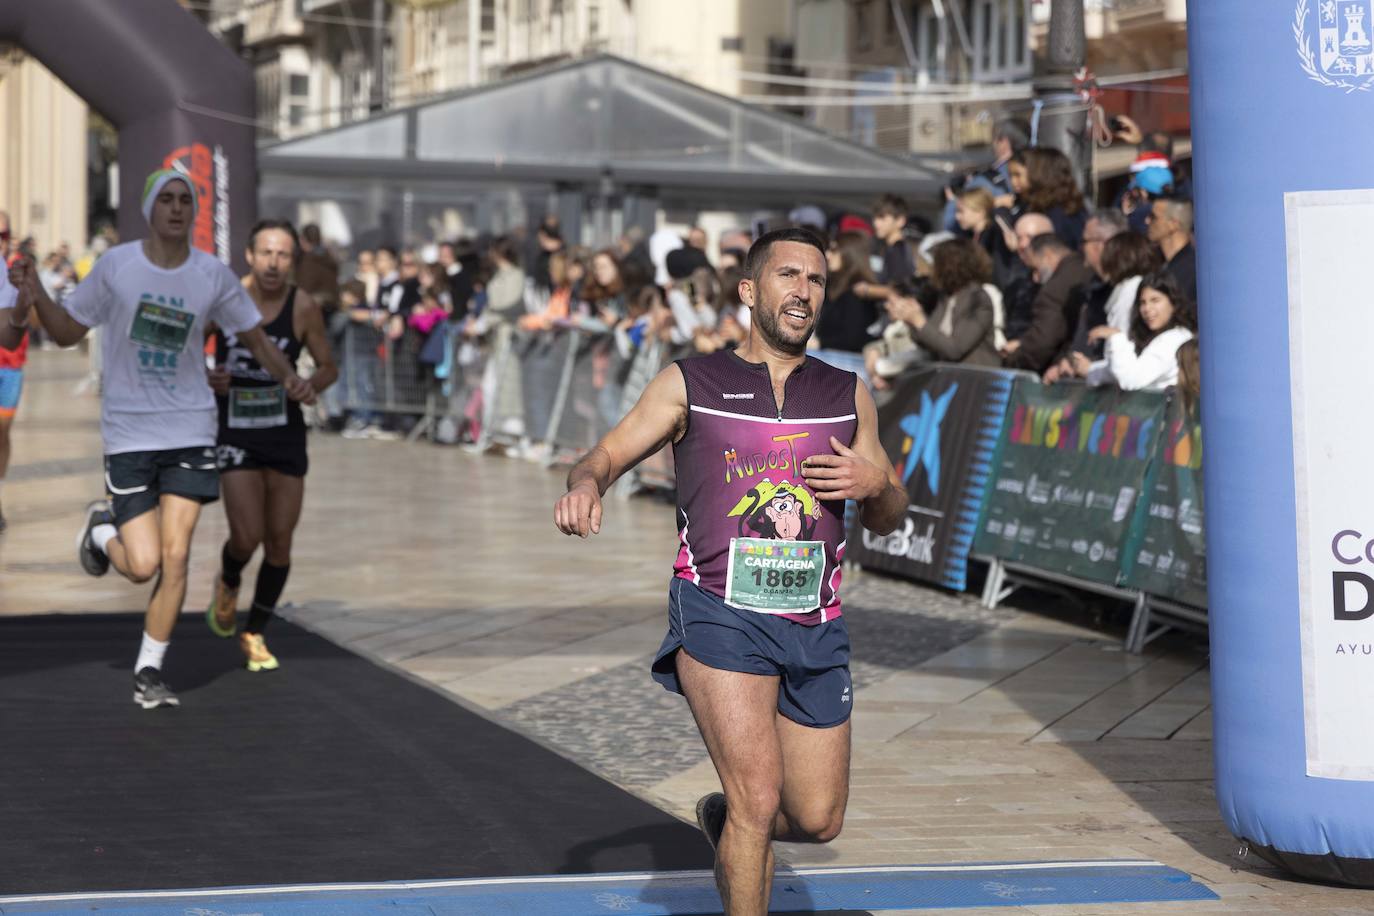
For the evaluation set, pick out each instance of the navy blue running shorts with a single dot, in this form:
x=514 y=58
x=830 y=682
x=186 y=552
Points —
x=812 y=661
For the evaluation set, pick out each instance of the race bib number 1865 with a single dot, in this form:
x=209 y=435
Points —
x=776 y=577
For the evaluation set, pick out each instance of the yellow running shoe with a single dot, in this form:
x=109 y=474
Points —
x=222 y=614
x=255 y=650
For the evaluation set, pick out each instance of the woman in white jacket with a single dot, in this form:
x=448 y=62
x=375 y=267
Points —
x=1146 y=358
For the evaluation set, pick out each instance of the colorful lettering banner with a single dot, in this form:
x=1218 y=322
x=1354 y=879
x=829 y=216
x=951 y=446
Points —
x=1069 y=468
x=1167 y=551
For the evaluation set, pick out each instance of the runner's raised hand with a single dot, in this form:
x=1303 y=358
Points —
x=579 y=511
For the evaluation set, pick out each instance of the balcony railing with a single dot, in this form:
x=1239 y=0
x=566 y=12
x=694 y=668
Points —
x=271 y=20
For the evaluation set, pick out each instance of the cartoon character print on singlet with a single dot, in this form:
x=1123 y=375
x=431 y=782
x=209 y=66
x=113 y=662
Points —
x=775 y=563
x=751 y=530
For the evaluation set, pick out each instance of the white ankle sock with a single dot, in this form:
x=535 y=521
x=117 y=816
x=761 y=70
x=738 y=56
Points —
x=150 y=654
x=102 y=535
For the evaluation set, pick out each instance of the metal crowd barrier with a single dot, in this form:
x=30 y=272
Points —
x=567 y=387
x=581 y=412
x=656 y=472
x=380 y=375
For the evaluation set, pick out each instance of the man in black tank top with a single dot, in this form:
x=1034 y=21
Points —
x=262 y=457
x=769 y=444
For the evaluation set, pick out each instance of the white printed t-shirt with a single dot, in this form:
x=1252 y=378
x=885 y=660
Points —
x=156 y=395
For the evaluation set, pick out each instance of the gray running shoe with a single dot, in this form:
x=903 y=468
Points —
x=92 y=559
x=150 y=692
x=711 y=817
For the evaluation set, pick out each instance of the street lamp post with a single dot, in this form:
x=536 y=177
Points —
x=377 y=101
x=1062 y=115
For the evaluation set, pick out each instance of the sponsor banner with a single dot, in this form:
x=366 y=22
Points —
x=940 y=429
x=1071 y=463
x=1167 y=555
x=208 y=171
x=1330 y=326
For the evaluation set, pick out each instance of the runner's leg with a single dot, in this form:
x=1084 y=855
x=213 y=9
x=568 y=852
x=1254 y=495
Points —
x=137 y=552
x=177 y=524
x=242 y=490
x=285 y=495
x=736 y=714
x=6 y=421
x=245 y=493
x=815 y=787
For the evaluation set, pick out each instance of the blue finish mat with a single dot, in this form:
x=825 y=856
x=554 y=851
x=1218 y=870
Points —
x=915 y=887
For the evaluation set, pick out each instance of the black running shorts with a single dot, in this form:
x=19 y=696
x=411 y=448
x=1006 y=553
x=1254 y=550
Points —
x=285 y=457
x=138 y=480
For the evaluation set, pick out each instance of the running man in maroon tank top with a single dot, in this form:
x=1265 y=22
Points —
x=768 y=445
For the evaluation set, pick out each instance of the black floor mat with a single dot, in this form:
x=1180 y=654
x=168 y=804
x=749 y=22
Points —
x=330 y=769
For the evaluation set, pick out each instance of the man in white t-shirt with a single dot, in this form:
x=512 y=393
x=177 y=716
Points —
x=155 y=300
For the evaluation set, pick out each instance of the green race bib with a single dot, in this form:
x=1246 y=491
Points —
x=257 y=408
x=775 y=577
x=161 y=326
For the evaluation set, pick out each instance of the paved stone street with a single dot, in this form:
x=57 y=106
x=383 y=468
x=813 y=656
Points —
x=1016 y=734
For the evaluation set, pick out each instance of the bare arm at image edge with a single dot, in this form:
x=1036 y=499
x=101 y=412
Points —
x=657 y=418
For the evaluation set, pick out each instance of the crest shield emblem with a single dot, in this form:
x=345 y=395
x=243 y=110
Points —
x=1335 y=41
x=1344 y=44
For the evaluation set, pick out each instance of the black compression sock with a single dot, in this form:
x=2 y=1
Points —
x=258 y=619
x=232 y=567
x=266 y=594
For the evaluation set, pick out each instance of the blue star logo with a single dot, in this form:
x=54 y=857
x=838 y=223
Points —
x=924 y=430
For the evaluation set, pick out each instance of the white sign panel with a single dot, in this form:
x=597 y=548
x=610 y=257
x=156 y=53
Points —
x=1331 y=341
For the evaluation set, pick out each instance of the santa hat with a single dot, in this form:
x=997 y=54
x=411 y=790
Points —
x=851 y=223
x=1151 y=172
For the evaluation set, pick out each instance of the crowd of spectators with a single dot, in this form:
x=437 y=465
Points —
x=1018 y=272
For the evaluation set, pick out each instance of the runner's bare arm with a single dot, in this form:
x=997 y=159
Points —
x=12 y=328
x=312 y=331
x=658 y=418
x=861 y=471
x=274 y=361
x=61 y=327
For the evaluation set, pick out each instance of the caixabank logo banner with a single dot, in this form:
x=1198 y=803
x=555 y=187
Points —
x=940 y=429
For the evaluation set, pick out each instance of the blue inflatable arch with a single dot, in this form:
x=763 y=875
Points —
x=176 y=95
x=1283 y=127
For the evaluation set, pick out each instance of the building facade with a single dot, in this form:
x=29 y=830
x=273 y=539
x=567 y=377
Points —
x=922 y=76
x=43 y=135
x=323 y=63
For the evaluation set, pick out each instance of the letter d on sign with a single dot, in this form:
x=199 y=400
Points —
x=1338 y=583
